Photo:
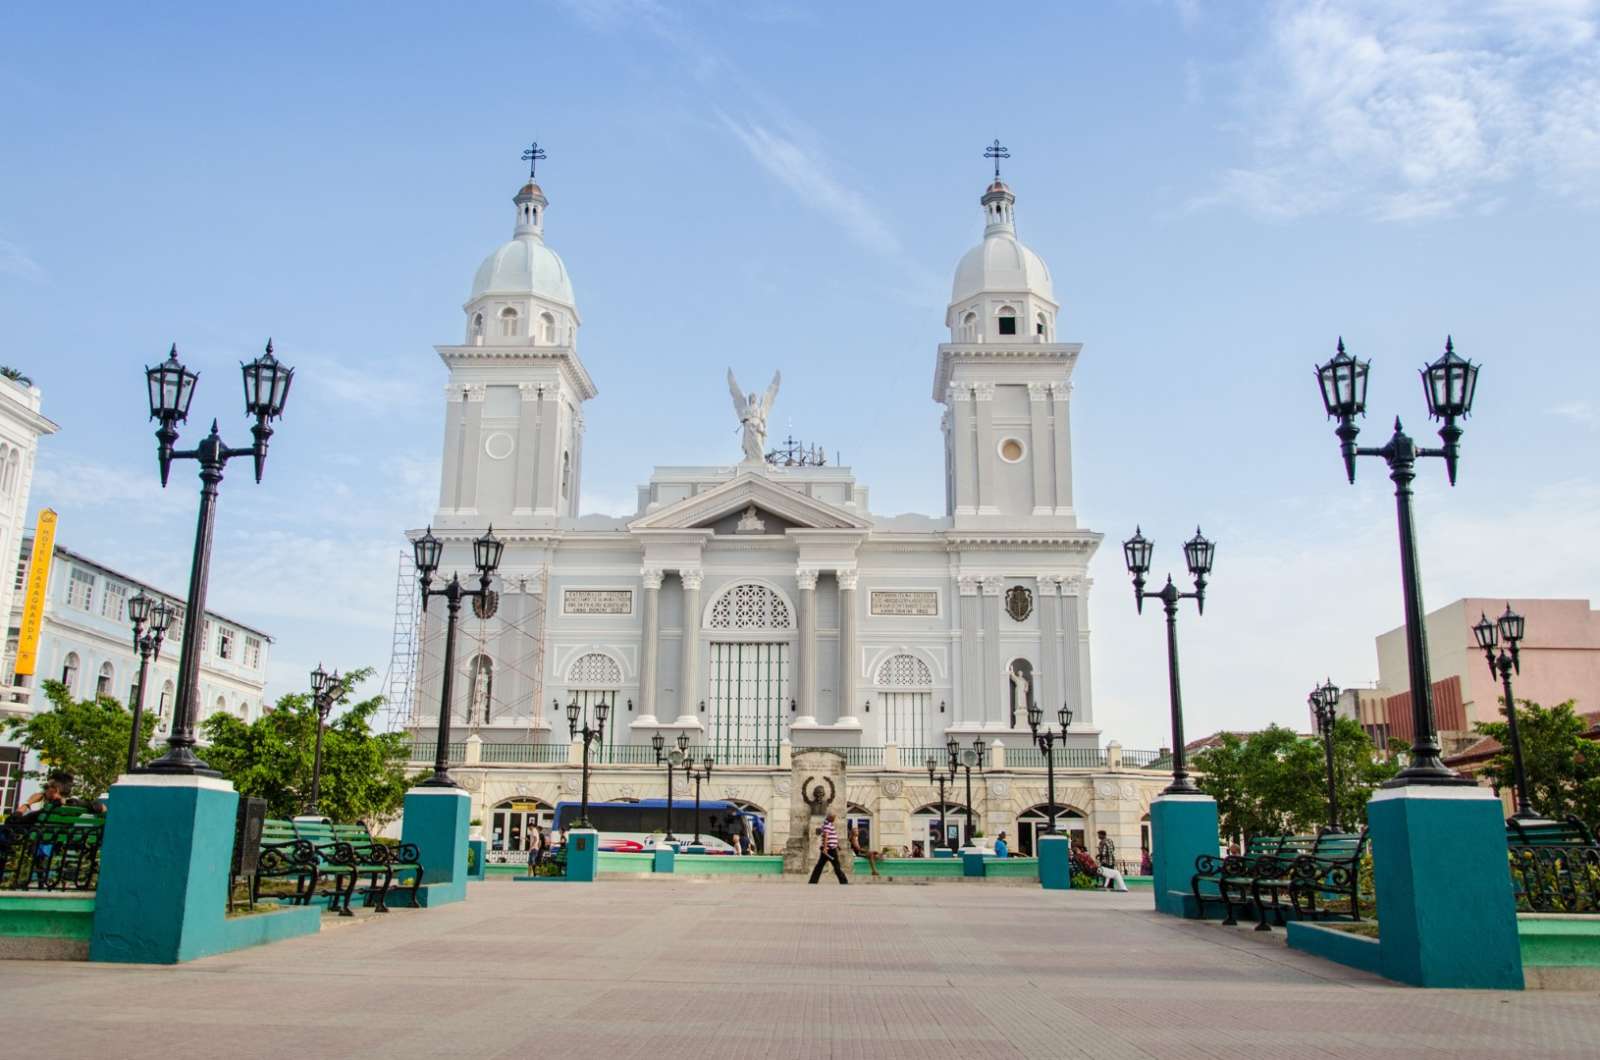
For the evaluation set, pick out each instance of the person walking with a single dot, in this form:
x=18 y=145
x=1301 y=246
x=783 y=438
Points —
x=1108 y=864
x=828 y=850
x=1002 y=849
x=856 y=849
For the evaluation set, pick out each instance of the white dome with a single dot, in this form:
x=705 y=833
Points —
x=524 y=266
x=1001 y=263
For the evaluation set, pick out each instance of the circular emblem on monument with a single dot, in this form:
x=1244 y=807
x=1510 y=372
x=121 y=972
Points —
x=1000 y=787
x=522 y=789
x=569 y=784
x=498 y=445
x=781 y=786
x=626 y=791
x=1129 y=790
x=471 y=781
x=893 y=787
x=1105 y=790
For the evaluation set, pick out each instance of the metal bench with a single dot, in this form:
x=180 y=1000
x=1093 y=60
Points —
x=56 y=849
x=361 y=859
x=1555 y=865
x=1232 y=875
x=1308 y=867
x=286 y=855
x=404 y=860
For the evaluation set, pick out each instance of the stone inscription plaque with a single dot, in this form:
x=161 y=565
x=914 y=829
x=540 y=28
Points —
x=596 y=602
x=902 y=602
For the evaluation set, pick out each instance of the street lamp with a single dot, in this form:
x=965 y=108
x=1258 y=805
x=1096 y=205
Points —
x=1197 y=555
x=697 y=775
x=1490 y=633
x=965 y=758
x=1324 y=701
x=672 y=760
x=325 y=689
x=1047 y=741
x=940 y=777
x=427 y=551
x=147 y=642
x=171 y=388
x=1448 y=384
x=590 y=735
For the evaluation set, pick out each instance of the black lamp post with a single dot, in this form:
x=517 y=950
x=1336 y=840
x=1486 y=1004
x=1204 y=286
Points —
x=428 y=551
x=325 y=689
x=697 y=775
x=940 y=777
x=672 y=759
x=1197 y=555
x=1490 y=633
x=171 y=388
x=147 y=642
x=1047 y=741
x=965 y=758
x=1324 y=700
x=590 y=735
x=1448 y=384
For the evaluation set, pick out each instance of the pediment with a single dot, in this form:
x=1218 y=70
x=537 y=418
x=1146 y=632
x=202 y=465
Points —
x=750 y=494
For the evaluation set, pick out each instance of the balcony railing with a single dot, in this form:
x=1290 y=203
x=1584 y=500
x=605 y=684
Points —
x=759 y=754
x=1063 y=757
x=424 y=750
x=525 y=753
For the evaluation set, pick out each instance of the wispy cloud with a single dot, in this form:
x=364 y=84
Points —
x=1582 y=412
x=14 y=261
x=367 y=387
x=1412 y=111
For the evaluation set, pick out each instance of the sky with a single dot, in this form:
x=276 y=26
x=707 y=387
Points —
x=1221 y=191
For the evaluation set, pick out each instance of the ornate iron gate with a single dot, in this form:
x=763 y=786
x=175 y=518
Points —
x=749 y=701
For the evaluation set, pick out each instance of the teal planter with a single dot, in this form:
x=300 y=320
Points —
x=1182 y=827
x=972 y=863
x=1055 y=862
x=943 y=852
x=663 y=859
x=479 y=860
x=583 y=855
x=1439 y=866
x=436 y=822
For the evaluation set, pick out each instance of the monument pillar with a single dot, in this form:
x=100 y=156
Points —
x=817 y=788
x=648 y=646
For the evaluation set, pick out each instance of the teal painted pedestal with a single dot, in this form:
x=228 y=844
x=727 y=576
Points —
x=664 y=858
x=943 y=852
x=1055 y=862
x=1182 y=827
x=1439 y=866
x=972 y=862
x=583 y=855
x=435 y=822
x=694 y=848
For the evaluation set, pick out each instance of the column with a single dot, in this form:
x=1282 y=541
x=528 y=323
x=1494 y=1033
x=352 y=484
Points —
x=651 y=577
x=1051 y=692
x=1074 y=648
x=969 y=707
x=983 y=398
x=688 y=679
x=847 y=649
x=1039 y=454
x=807 y=669
x=1062 y=394
x=960 y=399
x=450 y=481
x=995 y=685
x=527 y=470
x=471 y=434
x=547 y=491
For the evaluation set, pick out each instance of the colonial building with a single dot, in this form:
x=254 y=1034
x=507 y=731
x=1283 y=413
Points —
x=761 y=606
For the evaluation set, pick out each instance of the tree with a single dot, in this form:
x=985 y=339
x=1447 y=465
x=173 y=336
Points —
x=1563 y=768
x=363 y=773
x=87 y=738
x=1274 y=782
x=7 y=372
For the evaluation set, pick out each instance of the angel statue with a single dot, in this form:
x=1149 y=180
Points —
x=752 y=411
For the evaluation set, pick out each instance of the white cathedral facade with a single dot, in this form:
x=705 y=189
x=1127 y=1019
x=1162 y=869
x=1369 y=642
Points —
x=761 y=606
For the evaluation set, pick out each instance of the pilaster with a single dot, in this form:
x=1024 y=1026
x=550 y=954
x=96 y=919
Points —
x=983 y=398
x=1055 y=692
x=471 y=438
x=527 y=469
x=688 y=678
x=1040 y=455
x=961 y=442
x=969 y=707
x=1061 y=394
x=650 y=577
x=994 y=684
x=847 y=648
x=806 y=578
x=547 y=491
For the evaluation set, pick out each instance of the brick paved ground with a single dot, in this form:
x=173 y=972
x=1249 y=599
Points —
x=661 y=969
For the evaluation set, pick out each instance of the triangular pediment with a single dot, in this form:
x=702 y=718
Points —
x=750 y=495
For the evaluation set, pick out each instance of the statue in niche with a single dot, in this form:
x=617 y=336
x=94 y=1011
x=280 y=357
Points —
x=1020 y=686
x=478 y=703
x=752 y=410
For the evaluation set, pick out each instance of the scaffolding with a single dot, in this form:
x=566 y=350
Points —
x=400 y=683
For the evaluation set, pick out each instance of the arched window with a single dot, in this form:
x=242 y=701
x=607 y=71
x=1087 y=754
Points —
x=221 y=706
x=594 y=670
x=593 y=679
x=480 y=688
x=549 y=324
x=925 y=826
x=1035 y=822
x=906 y=691
x=477 y=325
x=164 y=704
x=750 y=606
x=508 y=322
x=102 y=684
x=1042 y=327
x=69 y=672
x=566 y=472
x=1007 y=320
x=969 y=328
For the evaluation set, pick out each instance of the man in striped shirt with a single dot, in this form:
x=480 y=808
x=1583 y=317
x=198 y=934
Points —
x=828 y=850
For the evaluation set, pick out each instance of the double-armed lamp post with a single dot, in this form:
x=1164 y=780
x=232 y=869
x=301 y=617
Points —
x=1449 y=384
x=672 y=759
x=697 y=775
x=325 y=690
x=941 y=777
x=151 y=619
x=590 y=734
x=965 y=758
x=428 y=550
x=1197 y=554
x=1324 y=700
x=171 y=388
x=1490 y=633
x=1047 y=739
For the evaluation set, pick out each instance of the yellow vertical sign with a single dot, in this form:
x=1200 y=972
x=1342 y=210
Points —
x=44 y=547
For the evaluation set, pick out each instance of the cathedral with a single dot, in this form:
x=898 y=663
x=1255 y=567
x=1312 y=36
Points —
x=761 y=607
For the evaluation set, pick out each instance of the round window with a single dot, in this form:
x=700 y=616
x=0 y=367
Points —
x=498 y=445
x=1011 y=450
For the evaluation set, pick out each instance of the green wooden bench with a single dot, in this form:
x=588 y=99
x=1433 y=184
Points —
x=1555 y=865
x=403 y=859
x=286 y=855
x=1225 y=878
x=1319 y=881
x=55 y=849
x=363 y=860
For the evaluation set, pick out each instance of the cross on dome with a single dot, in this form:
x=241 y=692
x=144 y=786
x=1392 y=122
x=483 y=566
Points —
x=534 y=154
x=996 y=151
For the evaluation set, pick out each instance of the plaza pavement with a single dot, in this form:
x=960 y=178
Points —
x=677 y=967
